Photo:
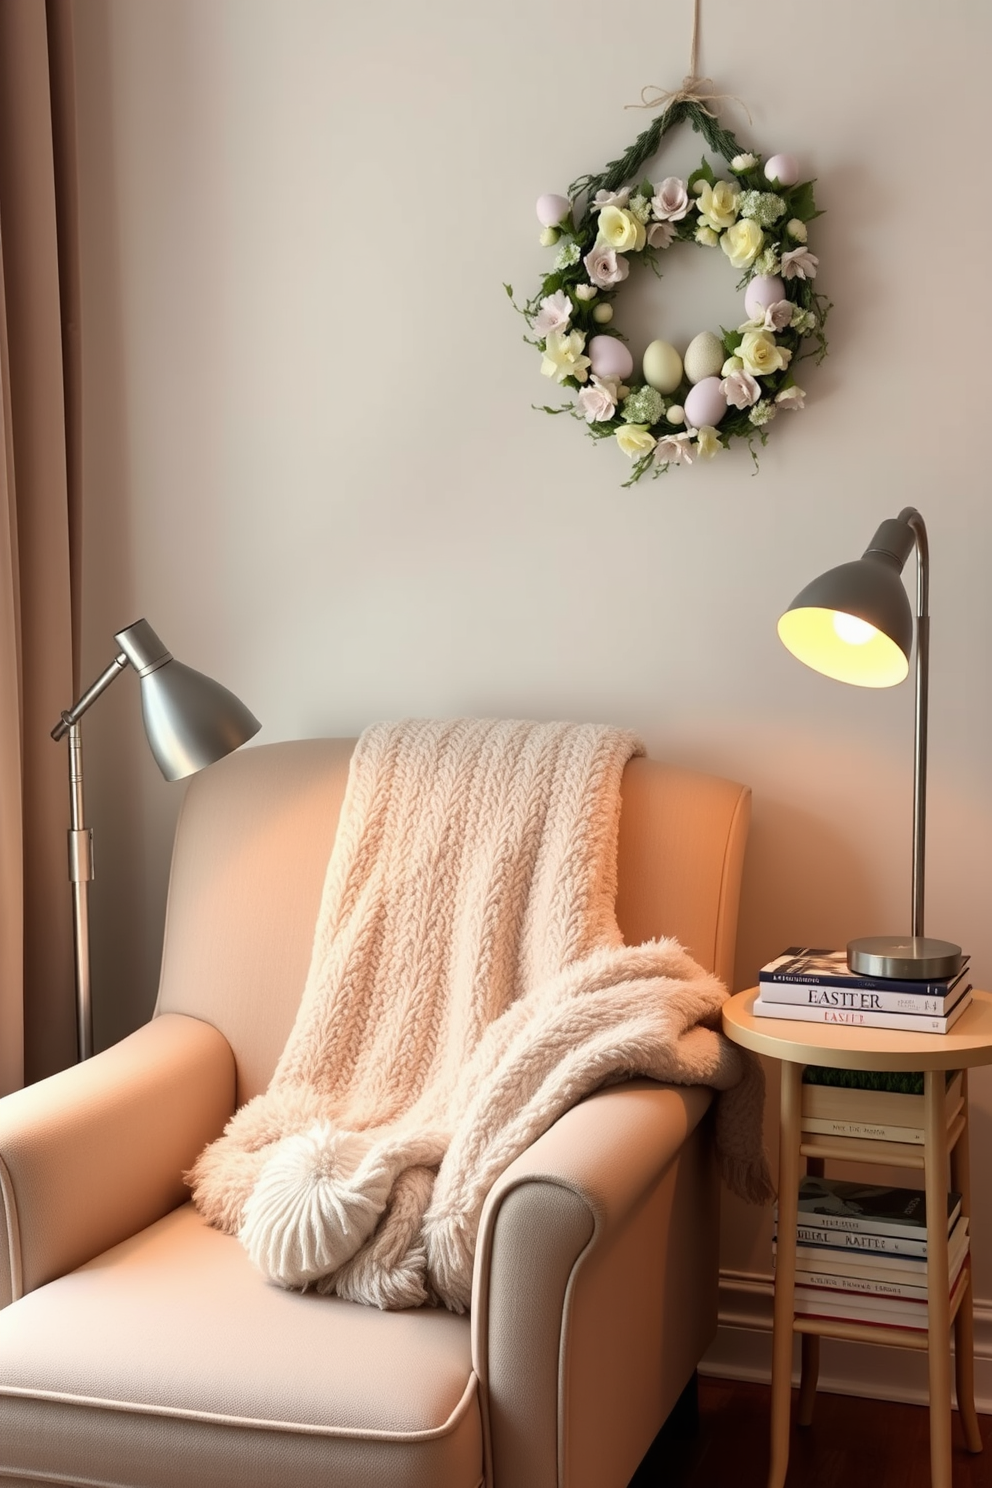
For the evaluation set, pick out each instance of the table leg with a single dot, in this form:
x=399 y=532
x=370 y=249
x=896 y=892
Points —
x=810 y=1371
x=938 y=1310
x=964 y=1328
x=785 y=1271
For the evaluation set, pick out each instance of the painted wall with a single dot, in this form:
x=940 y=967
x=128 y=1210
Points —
x=311 y=460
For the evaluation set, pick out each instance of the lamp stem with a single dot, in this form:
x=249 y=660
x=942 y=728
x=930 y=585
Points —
x=912 y=517
x=81 y=851
x=80 y=874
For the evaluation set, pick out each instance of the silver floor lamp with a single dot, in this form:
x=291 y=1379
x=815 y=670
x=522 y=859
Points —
x=854 y=623
x=190 y=721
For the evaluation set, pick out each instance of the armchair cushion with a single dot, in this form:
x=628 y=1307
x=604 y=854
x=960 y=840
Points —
x=215 y=1376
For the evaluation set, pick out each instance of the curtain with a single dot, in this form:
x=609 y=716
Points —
x=39 y=542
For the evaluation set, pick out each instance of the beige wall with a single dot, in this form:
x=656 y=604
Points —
x=310 y=458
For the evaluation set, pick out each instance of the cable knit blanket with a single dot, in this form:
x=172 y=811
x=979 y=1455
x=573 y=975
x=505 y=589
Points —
x=468 y=984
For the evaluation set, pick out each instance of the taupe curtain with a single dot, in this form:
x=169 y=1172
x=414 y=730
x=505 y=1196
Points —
x=39 y=547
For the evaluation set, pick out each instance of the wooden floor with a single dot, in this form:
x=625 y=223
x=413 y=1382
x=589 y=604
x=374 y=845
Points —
x=852 y=1443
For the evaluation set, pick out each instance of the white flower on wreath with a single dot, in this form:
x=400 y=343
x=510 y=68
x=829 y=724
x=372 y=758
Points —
x=598 y=401
x=661 y=234
x=563 y=356
x=732 y=364
x=802 y=320
x=775 y=318
x=586 y=291
x=640 y=208
x=796 y=228
x=791 y=397
x=610 y=199
x=675 y=449
x=707 y=442
x=554 y=314
x=604 y=266
x=635 y=440
x=742 y=242
x=799 y=263
x=707 y=236
x=743 y=162
x=767 y=261
x=670 y=202
x=621 y=230
x=740 y=389
x=762 y=413
x=761 y=355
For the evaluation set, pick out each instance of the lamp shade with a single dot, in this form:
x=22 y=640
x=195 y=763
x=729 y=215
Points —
x=854 y=623
x=190 y=719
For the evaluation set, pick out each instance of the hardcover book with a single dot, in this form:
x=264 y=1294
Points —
x=865 y=1266
x=807 y=965
x=863 y=999
x=889 y=1311
x=838 y=1204
x=841 y=1017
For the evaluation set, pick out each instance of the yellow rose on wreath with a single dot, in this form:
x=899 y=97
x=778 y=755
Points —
x=621 y=230
x=760 y=354
x=743 y=242
x=719 y=204
x=635 y=440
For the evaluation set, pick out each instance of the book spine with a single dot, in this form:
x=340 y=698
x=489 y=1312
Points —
x=862 y=1285
x=859 y=1310
x=822 y=994
x=859 y=983
x=857 y=1240
x=867 y=1130
x=837 y=1017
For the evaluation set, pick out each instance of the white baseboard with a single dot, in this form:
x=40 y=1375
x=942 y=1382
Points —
x=742 y=1350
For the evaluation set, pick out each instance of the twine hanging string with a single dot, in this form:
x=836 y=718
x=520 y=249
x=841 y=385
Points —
x=692 y=88
x=689 y=103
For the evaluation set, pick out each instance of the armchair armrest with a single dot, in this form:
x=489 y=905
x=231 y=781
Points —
x=97 y=1152
x=595 y=1286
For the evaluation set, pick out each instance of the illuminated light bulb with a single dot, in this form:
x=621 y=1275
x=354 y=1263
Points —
x=853 y=631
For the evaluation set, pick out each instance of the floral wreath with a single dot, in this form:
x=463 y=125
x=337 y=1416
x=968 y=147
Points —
x=724 y=387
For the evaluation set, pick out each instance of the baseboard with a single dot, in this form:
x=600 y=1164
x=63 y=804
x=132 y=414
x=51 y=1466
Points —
x=742 y=1349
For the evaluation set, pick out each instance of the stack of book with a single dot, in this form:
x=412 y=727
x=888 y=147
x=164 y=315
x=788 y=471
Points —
x=817 y=986
x=861 y=1255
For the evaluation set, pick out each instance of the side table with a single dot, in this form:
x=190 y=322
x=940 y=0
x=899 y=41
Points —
x=943 y=1156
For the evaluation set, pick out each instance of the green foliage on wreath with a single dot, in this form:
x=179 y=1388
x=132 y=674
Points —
x=779 y=214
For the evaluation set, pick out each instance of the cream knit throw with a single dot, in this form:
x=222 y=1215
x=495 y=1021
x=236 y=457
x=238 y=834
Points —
x=468 y=983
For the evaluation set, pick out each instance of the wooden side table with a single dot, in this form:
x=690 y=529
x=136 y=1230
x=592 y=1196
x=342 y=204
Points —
x=944 y=1154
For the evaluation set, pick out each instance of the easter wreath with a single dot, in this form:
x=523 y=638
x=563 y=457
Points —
x=725 y=387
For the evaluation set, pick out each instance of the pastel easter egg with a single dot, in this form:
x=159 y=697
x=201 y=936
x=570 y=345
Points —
x=704 y=356
x=705 y=404
x=552 y=209
x=782 y=170
x=662 y=367
x=609 y=357
x=763 y=290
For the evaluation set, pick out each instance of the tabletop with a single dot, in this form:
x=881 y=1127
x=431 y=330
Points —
x=839 y=1046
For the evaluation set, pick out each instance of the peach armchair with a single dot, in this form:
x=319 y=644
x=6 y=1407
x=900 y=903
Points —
x=139 y=1348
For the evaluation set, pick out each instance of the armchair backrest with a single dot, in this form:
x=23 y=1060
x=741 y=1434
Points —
x=252 y=845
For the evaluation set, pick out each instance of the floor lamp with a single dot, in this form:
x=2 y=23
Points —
x=854 y=623
x=190 y=721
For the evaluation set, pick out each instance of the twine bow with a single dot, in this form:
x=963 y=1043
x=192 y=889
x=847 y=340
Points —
x=691 y=91
x=692 y=87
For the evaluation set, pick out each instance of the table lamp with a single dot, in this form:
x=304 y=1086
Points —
x=854 y=623
x=190 y=721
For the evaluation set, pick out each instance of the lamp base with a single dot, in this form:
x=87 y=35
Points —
x=907 y=957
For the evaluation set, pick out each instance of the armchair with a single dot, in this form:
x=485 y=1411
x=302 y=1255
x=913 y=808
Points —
x=139 y=1348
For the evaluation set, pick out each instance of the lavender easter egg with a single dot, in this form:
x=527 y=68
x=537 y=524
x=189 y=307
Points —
x=782 y=170
x=705 y=404
x=552 y=209
x=609 y=357
x=763 y=290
